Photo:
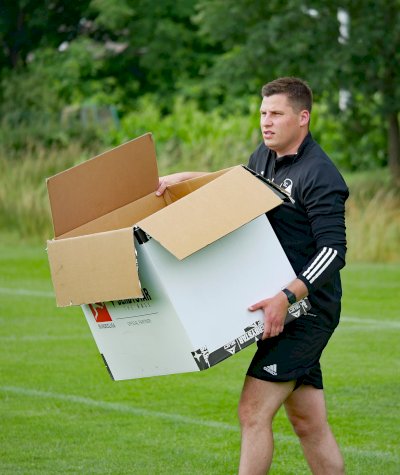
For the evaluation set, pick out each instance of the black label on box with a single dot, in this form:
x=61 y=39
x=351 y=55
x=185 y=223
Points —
x=205 y=359
x=297 y=310
x=201 y=356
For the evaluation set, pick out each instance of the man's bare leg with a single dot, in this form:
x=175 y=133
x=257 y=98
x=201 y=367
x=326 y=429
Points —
x=306 y=411
x=258 y=405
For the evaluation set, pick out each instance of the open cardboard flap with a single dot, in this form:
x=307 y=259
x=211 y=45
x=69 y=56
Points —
x=102 y=184
x=201 y=218
x=179 y=190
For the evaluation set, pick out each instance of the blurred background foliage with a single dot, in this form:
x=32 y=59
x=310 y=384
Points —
x=79 y=77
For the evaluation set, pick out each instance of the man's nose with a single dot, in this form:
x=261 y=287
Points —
x=266 y=119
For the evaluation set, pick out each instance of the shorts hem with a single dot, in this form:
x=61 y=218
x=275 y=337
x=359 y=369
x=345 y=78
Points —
x=298 y=381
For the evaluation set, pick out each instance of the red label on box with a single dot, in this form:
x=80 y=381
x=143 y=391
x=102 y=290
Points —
x=100 y=312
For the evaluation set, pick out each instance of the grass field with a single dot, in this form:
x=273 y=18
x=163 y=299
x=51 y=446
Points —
x=61 y=413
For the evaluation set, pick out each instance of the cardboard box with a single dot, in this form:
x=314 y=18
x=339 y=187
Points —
x=194 y=312
x=178 y=272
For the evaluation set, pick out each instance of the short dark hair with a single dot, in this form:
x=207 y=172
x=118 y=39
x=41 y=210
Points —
x=297 y=91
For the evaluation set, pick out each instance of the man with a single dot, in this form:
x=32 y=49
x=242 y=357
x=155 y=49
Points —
x=285 y=369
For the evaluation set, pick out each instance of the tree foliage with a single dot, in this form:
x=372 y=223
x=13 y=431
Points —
x=55 y=53
x=263 y=40
x=26 y=25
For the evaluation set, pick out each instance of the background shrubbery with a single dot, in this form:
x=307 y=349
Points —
x=191 y=139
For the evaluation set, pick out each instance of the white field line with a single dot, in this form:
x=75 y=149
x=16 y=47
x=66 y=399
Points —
x=26 y=292
x=176 y=418
x=27 y=338
x=118 y=407
x=370 y=322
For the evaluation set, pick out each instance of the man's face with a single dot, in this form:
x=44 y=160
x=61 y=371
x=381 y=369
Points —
x=283 y=129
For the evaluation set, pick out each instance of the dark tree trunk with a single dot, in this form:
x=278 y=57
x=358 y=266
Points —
x=394 y=147
x=15 y=47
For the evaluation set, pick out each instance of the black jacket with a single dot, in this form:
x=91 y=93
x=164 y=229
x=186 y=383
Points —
x=312 y=229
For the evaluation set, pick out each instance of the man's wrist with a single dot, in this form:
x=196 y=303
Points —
x=291 y=297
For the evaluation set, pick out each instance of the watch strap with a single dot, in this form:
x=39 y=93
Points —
x=290 y=296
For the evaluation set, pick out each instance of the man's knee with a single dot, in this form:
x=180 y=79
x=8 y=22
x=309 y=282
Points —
x=301 y=425
x=306 y=425
x=306 y=411
x=249 y=413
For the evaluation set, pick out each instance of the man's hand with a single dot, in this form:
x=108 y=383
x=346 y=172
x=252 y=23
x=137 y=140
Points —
x=275 y=311
x=168 y=180
x=174 y=178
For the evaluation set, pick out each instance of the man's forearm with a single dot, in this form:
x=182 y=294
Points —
x=299 y=288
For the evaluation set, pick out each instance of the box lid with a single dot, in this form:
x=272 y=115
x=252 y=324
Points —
x=102 y=184
x=208 y=214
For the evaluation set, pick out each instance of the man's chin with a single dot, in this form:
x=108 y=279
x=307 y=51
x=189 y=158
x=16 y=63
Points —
x=269 y=143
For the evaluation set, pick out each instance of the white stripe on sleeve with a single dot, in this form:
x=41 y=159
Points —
x=320 y=263
x=315 y=261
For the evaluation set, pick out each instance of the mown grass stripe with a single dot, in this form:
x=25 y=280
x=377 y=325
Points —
x=176 y=418
x=118 y=407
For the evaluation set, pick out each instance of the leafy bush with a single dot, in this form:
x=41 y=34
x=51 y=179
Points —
x=356 y=144
x=34 y=98
x=189 y=138
x=35 y=101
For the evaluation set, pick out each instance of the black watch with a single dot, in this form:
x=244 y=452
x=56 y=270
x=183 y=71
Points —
x=290 y=296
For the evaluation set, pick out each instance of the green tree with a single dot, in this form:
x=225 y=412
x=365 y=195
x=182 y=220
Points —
x=56 y=54
x=262 y=40
x=26 y=25
x=162 y=52
x=143 y=46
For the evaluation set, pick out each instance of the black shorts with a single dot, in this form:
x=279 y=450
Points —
x=292 y=355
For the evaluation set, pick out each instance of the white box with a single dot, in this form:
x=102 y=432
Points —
x=194 y=313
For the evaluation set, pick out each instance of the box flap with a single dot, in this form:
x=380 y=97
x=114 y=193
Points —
x=211 y=212
x=95 y=268
x=102 y=184
x=179 y=190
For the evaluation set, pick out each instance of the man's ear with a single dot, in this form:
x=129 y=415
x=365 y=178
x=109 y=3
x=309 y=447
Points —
x=304 y=117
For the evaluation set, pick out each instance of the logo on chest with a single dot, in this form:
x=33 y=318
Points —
x=287 y=184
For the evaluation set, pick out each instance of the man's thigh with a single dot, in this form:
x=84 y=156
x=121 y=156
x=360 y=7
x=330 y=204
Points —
x=262 y=399
x=306 y=405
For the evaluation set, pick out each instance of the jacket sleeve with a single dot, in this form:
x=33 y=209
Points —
x=324 y=195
